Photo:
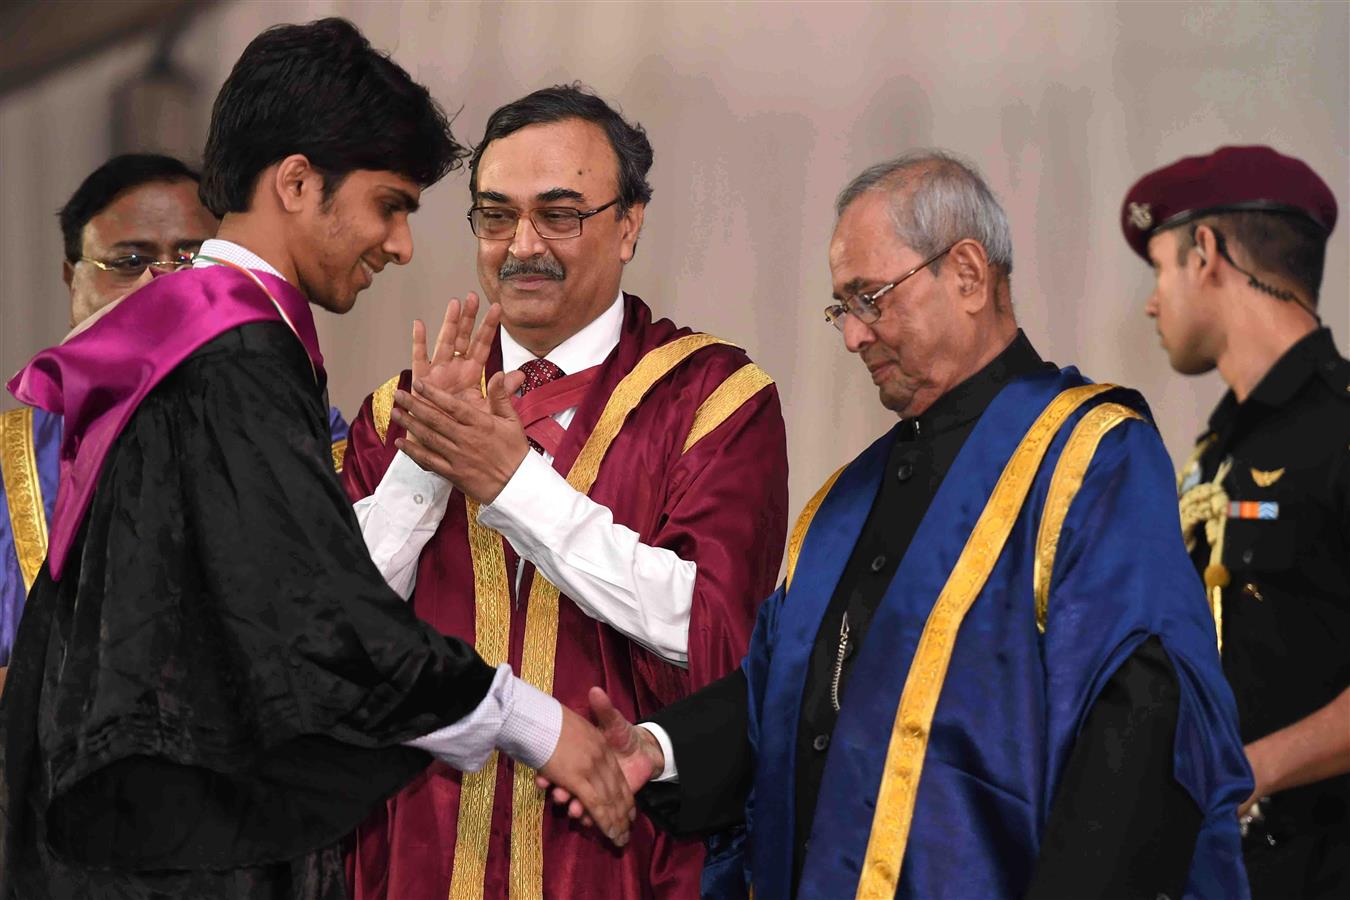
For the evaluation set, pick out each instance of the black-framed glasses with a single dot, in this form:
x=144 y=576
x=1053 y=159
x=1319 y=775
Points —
x=133 y=265
x=552 y=223
x=864 y=307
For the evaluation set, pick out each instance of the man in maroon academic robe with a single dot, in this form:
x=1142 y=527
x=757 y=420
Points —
x=638 y=467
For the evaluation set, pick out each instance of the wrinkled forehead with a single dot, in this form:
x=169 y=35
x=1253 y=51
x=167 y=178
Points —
x=541 y=160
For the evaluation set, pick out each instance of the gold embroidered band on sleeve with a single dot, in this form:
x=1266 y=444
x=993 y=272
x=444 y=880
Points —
x=1064 y=484
x=730 y=395
x=23 y=492
x=918 y=701
x=382 y=406
x=491 y=638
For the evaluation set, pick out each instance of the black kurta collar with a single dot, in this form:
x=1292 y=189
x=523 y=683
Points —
x=969 y=399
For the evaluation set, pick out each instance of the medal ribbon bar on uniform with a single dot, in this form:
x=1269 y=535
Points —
x=1252 y=509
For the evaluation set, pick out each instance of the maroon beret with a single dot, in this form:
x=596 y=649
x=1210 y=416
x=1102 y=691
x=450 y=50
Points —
x=1230 y=179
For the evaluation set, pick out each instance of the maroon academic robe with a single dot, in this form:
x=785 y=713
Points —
x=720 y=501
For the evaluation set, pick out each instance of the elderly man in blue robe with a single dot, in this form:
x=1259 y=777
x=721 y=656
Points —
x=991 y=670
x=135 y=217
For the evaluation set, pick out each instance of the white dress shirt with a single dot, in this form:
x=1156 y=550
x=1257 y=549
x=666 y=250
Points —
x=230 y=252
x=514 y=717
x=644 y=592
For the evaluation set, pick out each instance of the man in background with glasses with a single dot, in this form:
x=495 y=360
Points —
x=133 y=218
x=610 y=513
x=1237 y=240
x=990 y=671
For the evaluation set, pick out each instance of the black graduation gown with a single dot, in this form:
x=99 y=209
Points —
x=215 y=692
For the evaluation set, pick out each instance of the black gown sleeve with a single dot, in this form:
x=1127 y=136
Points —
x=709 y=736
x=1121 y=826
x=221 y=677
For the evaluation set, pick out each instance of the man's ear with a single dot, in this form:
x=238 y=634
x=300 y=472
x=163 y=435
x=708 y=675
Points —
x=631 y=225
x=67 y=272
x=970 y=266
x=297 y=184
x=1206 y=250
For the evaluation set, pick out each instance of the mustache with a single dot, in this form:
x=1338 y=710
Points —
x=546 y=266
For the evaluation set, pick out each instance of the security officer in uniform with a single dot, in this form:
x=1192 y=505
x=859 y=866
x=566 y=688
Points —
x=1237 y=240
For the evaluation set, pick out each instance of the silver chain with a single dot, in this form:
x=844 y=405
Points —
x=839 y=662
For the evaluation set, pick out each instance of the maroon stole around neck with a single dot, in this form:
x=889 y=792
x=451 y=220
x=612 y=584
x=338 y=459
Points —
x=537 y=408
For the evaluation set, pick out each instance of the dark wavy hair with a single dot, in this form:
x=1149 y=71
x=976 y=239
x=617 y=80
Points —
x=321 y=90
x=576 y=101
x=108 y=182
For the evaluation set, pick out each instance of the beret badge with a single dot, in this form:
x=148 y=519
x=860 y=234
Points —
x=1141 y=216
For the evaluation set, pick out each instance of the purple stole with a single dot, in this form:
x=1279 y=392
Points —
x=100 y=374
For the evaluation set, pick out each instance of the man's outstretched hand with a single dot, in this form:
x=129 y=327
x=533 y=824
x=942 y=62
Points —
x=584 y=767
x=638 y=754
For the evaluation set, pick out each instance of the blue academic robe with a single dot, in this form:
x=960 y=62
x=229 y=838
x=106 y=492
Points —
x=1013 y=697
x=31 y=449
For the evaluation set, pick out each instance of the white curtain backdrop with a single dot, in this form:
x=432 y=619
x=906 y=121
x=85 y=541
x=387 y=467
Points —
x=759 y=113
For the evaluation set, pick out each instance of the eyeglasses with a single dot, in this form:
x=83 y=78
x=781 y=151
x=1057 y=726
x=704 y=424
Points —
x=863 y=307
x=552 y=223
x=133 y=265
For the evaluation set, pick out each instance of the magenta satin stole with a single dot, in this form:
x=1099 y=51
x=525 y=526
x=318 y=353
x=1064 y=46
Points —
x=99 y=375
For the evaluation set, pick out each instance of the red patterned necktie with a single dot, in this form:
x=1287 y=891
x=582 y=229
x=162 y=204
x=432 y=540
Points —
x=538 y=372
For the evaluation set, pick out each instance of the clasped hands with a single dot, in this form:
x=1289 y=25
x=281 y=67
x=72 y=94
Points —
x=636 y=750
x=458 y=427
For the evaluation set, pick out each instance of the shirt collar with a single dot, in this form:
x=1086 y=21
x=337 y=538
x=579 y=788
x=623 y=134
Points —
x=235 y=253
x=1282 y=381
x=588 y=347
x=969 y=399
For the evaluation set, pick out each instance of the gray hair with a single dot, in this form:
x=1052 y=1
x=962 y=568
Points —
x=937 y=199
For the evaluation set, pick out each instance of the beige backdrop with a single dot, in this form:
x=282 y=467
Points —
x=759 y=112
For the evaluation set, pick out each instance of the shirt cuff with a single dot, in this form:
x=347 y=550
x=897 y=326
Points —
x=670 y=773
x=406 y=479
x=532 y=727
x=515 y=717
